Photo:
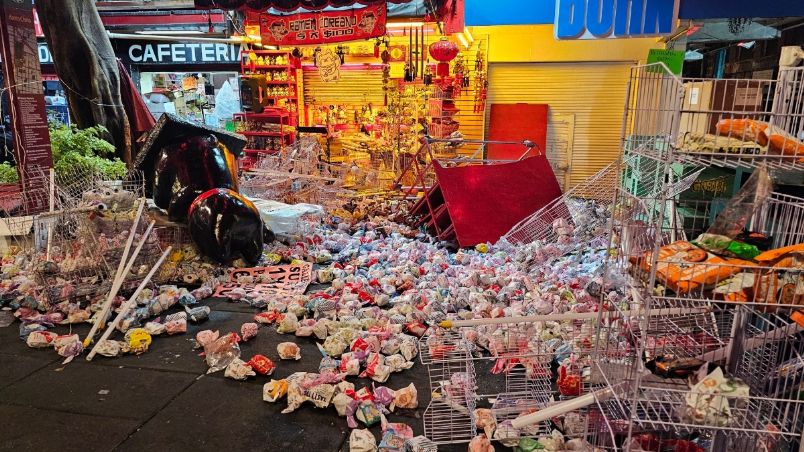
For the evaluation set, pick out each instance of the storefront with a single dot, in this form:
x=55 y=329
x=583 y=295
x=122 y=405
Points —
x=196 y=80
x=582 y=82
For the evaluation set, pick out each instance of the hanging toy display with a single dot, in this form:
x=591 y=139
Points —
x=191 y=172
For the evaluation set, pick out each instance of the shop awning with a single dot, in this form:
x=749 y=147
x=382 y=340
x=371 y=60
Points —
x=287 y=5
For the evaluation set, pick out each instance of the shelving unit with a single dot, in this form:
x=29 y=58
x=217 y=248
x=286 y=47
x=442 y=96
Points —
x=441 y=111
x=272 y=86
x=260 y=140
x=674 y=128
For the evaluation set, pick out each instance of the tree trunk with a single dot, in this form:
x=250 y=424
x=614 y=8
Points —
x=87 y=67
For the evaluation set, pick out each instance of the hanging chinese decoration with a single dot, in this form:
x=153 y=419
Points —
x=443 y=51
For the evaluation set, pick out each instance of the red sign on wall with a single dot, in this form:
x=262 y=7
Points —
x=26 y=100
x=324 y=27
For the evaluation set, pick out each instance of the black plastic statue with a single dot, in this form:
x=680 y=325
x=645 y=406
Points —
x=191 y=172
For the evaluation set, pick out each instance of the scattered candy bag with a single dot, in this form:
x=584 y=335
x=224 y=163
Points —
x=274 y=390
x=138 y=340
x=394 y=436
x=406 y=397
x=288 y=350
x=320 y=329
x=204 y=337
x=383 y=395
x=420 y=444
x=362 y=440
x=341 y=402
x=350 y=366
x=221 y=352
x=480 y=443
x=409 y=347
x=238 y=370
x=305 y=328
x=154 y=328
x=68 y=346
x=249 y=330
x=288 y=323
x=262 y=365
x=368 y=413
x=528 y=445
x=333 y=346
x=176 y=323
x=109 y=348
x=41 y=339
x=27 y=329
x=266 y=318
x=484 y=418
x=397 y=363
x=197 y=314
x=507 y=434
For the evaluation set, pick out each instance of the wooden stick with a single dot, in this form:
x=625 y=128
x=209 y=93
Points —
x=122 y=269
x=128 y=305
x=107 y=305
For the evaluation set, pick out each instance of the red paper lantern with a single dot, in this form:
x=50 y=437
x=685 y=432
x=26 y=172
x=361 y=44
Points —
x=443 y=51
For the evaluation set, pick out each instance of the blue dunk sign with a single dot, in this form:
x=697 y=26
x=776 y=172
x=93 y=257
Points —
x=598 y=19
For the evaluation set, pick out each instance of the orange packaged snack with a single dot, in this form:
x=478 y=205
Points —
x=743 y=129
x=683 y=269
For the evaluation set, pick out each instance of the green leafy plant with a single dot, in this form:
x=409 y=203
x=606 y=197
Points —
x=8 y=174
x=76 y=151
x=84 y=148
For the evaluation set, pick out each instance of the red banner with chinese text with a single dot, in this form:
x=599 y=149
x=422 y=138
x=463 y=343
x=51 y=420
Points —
x=323 y=27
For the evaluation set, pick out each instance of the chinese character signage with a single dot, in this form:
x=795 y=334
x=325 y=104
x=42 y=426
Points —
x=323 y=27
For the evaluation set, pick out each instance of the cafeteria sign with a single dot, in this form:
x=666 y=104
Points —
x=323 y=27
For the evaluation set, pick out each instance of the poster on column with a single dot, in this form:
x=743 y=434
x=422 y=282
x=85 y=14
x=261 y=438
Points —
x=323 y=27
x=26 y=100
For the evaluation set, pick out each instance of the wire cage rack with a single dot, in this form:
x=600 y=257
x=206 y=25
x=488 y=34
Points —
x=510 y=366
x=715 y=313
x=724 y=122
x=296 y=175
x=74 y=244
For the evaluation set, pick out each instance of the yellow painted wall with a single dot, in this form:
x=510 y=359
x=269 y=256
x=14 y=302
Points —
x=537 y=43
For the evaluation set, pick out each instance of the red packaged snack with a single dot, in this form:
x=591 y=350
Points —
x=262 y=365
x=568 y=385
x=416 y=328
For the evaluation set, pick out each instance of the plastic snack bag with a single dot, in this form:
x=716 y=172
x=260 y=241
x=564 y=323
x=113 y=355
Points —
x=394 y=436
x=249 y=330
x=68 y=346
x=138 y=340
x=406 y=397
x=288 y=350
x=221 y=352
x=262 y=365
x=480 y=443
x=484 y=418
x=176 y=323
x=154 y=328
x=198 y=314
x=420 y=444
x=239 y=370
x=288 y=323
x=341 y=402
x=739 y=210
x=362 y=440
x=204 y=337
x=41 y=339
x=274 y=390
x=109 y=348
